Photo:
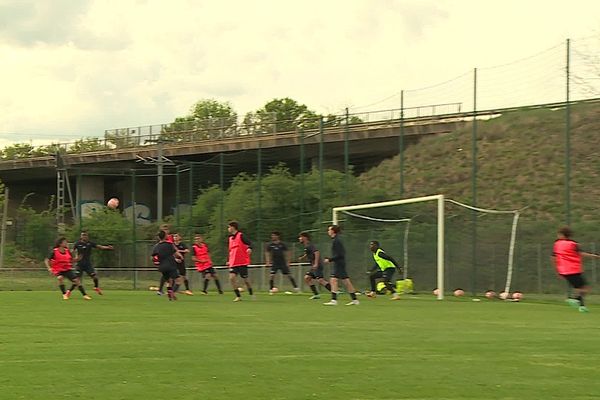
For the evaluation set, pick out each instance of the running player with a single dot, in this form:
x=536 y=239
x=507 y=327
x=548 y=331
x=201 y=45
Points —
x=338 y=258
x=203 y=263
x=169 y=239
x=384 y=268
x=240 y=250
x=60 y=263
x=83 y=248
x=315 y=274
x=567 y=257
x=183 y=250
x=166 y=256
x=277 y=257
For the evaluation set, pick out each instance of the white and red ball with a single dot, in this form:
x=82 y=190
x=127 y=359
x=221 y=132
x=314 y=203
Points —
x=490 y=294
x=436 y=292
x=504 y=295
x=459 y=292
x=113 y=203
x=274 y=290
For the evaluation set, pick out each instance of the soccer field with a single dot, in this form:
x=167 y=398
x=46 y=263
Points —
x=136 y=345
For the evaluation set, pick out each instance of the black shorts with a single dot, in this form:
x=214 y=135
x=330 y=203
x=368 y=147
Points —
x=181 y=269
x=209 y=271
x=576 y=280
x=315 y=273
x=70 y=274
x=279 y=267
x=339 y=271
x=170 y=273
x=386 y=274
x=242 y=271
x=87 y=268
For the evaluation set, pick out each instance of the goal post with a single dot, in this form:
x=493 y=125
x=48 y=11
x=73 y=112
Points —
x=439 y=198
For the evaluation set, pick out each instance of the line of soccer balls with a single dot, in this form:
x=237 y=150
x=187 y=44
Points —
x=490 y=294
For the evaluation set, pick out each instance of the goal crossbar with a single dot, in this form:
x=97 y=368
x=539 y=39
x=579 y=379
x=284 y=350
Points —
x=439 y=198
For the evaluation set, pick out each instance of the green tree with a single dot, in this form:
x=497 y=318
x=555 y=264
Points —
x=87 y=144
x=16 y=151
x=208 y=119
x=288 y=115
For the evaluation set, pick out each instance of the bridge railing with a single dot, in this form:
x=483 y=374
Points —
x=216 y=129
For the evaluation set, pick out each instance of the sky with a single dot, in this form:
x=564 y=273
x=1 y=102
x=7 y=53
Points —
x=74 y=68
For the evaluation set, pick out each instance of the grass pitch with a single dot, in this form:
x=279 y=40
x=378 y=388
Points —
x=136 y=345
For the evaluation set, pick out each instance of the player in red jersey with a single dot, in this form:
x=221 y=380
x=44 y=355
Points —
x=60 y=263
x=240 y=250
x=203 y=263
x=567 y=257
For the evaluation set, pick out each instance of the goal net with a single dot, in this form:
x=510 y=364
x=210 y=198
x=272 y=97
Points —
x=441 y=243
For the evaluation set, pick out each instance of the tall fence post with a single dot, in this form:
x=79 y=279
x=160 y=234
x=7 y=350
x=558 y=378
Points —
x=222 y=193
x=474 y=186
x=346 y=155
x=133 y=229
x=191 y=202
x=259 y=198
x=401 y=143
x=568 y=139
x=539 y=268
x=321 y=149
x=302 y=155
x=177 y=196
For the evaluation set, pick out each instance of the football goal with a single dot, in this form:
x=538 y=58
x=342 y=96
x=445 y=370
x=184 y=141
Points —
x=441 y=243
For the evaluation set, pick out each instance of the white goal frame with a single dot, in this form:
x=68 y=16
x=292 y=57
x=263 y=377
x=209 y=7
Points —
x=440 y=227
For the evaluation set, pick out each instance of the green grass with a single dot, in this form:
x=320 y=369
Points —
x=135 y=345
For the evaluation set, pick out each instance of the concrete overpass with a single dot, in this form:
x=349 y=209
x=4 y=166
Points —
x=367 y=144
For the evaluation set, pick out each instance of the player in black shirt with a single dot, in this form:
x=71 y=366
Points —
x=278 y=258
x=83 y=247
x=313 y=256
x=183 y=250
x=338 y=258
x=166 y=257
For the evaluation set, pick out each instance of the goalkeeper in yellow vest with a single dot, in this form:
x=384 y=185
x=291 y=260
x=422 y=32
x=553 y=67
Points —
x=384 y=268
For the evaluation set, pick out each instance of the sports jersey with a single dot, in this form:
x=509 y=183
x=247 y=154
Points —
x=277 y=250
x=203 y=261
x=567 y=257
x=60 y=262
x=310 y=250
x=238 y=250
x=84 y=250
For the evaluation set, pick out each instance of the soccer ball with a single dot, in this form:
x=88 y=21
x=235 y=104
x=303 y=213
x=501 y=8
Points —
x=274 y=290
x=436 y=292
x=241 y=289
x=113 y=203
x=504 y=295
x=517 y=296
x=490 y=294
x=459 y=292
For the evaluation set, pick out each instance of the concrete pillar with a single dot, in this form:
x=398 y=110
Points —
x=90 y=193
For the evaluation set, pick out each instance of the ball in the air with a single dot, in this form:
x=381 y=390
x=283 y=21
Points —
x=436 y=292
x=113 y=203
x=490 y=294
x=241 y=289
x=504 y=295
x=517 y=296
x=459 y=292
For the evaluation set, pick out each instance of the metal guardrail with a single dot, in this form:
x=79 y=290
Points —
x=218 y=129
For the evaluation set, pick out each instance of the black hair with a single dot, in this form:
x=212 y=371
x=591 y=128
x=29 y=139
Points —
x=234 y=224
x=305 y=234
x=335 y=228
x=59 y=241
x=162 y=235
x=566 y=232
